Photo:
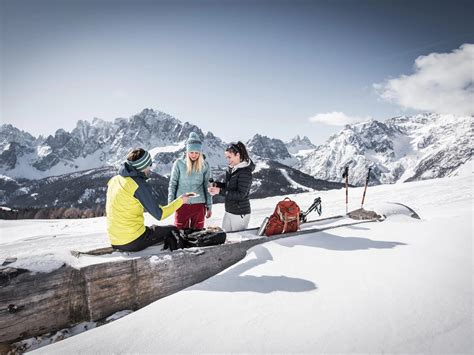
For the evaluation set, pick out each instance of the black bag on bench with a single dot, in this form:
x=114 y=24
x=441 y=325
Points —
x=203 y=237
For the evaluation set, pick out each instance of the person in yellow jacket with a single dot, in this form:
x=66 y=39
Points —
x=128 y=196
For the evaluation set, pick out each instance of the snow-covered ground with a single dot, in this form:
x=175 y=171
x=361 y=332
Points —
x=401 y=286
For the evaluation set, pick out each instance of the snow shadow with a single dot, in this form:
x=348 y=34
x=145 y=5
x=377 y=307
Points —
x=232 y=279
x=334 y=242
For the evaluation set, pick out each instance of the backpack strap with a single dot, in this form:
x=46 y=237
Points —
x=285 y=224
x=280 y=215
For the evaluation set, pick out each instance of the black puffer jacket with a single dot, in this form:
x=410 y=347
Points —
x=236 y=189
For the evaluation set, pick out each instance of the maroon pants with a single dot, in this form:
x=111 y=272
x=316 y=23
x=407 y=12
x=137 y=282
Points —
x=190 y=216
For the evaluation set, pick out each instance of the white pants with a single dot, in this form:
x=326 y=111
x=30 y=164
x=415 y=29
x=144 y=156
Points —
x=235 y=222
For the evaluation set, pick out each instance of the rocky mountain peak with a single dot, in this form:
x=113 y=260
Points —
x=9 y=134
x=399 y=149
x=263 y=147
x=269 y=148
x=298 y=144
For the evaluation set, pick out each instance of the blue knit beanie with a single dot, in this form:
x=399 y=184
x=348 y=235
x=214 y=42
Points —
x=193 y=144
x=142 y=163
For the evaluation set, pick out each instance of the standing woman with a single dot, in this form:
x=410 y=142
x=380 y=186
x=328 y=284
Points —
x=191 y=174
x=236 y=188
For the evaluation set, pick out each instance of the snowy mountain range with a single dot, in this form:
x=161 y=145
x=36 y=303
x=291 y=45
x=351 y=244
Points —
x=100 y=143
x=34 y=171
x=72 y=168
x=405 y=148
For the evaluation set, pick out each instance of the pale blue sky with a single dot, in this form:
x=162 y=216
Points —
x=233 y=67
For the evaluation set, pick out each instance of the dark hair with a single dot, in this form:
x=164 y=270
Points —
x=135 y=154
x=239 y=147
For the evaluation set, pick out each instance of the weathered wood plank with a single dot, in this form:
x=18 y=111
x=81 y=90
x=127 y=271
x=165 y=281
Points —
x=35 y=303
x=109 y=288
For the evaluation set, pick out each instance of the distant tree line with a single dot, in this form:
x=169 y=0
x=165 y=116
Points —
x=52 y=213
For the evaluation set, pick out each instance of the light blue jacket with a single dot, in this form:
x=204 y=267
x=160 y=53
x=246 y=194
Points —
x=181 y=182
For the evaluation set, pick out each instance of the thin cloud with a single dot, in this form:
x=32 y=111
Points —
x=336 y=119
x=441 y=83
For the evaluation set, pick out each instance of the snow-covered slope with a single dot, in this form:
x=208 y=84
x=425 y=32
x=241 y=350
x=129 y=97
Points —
x=400 y=286
x=400 y=149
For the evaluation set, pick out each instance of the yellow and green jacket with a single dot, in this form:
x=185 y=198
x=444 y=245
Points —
x=128 y=196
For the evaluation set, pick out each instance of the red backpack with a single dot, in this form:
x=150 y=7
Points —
x=285 y=218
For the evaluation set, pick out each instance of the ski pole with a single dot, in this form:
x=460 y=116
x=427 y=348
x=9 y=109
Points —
x=365 y=189
x=316 y=205
x=346 y=176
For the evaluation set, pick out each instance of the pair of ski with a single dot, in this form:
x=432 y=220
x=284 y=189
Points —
x=256 y=232
x=345 y=175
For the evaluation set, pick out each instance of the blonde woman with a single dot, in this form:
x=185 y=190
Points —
x=191 y=174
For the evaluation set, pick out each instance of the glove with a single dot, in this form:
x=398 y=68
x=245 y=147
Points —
x=173 y=241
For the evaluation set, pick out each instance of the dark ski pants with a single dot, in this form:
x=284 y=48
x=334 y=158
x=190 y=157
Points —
x=151 y=236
